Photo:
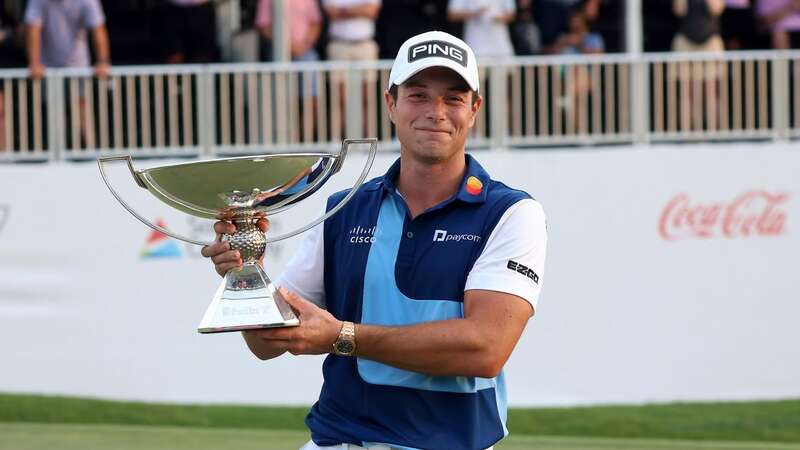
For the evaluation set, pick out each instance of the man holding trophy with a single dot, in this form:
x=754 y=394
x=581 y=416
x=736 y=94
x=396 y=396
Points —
x=419 y=288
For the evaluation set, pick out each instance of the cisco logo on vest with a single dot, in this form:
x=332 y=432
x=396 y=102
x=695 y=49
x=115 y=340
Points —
x=361 y=235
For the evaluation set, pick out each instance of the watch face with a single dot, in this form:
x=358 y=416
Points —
x=344 y=347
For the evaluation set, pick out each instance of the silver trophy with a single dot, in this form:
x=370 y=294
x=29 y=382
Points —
x=243 y=190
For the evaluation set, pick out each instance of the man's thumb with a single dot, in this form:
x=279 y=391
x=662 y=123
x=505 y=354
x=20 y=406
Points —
x=294 y=300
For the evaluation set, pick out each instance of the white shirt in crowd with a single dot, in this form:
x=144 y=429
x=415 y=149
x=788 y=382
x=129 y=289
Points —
x=486 y=36
x=358 y=29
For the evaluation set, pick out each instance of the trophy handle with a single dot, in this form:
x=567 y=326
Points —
x=373 y=149
x=337 y=165
x=100 y=164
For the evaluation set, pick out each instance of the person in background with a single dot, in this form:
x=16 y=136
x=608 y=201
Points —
x=12 y=53
x=782 y=19
x=578 y=39
x=738 y=25
x=56 y=37
x=400 y=19
x=698 y=26
x=698 y=31
x=351 y=29
x=190 y=33
x=351 y=37
x=485 y=25
x=553 y=15
x=305 y=25
x=525 y=33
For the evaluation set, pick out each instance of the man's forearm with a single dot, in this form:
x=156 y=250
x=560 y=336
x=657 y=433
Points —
x=101 y=46
x=457 y=347
x=34 y=40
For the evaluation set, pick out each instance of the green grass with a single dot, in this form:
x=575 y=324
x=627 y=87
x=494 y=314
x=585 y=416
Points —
x=41 y=422
x=34 y=436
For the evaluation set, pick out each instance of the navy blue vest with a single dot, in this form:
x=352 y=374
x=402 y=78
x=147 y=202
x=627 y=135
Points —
x=383 y=268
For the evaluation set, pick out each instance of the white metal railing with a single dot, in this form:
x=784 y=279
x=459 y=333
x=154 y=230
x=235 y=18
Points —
x=195 y=110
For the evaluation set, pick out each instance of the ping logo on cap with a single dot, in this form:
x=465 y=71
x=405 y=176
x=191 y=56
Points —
x=441 y=49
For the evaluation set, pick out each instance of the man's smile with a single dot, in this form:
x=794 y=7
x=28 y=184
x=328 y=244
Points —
x=433 y=130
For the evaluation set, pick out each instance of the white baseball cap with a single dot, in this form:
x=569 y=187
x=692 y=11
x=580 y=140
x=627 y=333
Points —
x=435 y=49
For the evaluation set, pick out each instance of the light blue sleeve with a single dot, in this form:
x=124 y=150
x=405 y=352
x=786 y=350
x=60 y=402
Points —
x=594 y=41
x=458 y=5
x=34 y=12
x=93 y=15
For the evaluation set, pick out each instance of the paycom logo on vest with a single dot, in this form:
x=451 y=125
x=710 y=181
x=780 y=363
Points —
x=445 y=236
x=159 y=245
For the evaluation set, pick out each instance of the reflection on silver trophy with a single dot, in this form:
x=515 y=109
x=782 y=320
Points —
x=243 y=190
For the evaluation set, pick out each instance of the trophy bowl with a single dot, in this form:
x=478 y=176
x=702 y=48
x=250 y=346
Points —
x=242 y=190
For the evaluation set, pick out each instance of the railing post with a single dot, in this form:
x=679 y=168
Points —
x=207 y=112
x=499 y=106
x=640 y=100
x=781 y=102
x=354 y=106
x=56 y=131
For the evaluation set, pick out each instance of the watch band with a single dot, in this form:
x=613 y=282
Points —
x=345 y=345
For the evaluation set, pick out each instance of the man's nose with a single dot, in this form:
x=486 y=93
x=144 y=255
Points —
x=437 y=109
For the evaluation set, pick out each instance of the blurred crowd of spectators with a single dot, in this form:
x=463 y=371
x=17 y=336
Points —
x=56 y=33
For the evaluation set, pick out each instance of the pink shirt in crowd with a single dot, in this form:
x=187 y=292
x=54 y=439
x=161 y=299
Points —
x=767 y=7
x=302 y=14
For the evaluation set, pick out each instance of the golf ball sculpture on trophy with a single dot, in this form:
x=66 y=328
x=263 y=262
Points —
x=243 y=190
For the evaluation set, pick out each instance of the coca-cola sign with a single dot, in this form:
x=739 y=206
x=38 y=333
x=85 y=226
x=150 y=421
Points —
x=753 y=213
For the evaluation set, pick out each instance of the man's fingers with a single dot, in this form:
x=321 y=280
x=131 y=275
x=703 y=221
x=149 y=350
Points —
x=276 y=334
x=215 y=249
x=263 y=224
x=299 y=304
x=224 y=268
x=232 y=256
x=224 y=227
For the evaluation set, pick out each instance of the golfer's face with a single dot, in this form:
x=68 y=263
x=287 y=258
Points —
x=433 y=113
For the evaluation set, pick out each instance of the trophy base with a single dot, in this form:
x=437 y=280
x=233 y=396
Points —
x=247 y=300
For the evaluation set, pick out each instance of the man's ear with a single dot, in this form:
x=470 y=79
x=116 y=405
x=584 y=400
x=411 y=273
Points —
x=476 y=106
x=391 y=103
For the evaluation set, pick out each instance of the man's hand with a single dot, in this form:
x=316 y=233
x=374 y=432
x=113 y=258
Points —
x=315 y=335
x=36 y=71
x=101 y=69
x=221 y=255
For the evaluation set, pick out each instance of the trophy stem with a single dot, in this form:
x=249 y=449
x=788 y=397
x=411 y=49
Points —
x=247 y=299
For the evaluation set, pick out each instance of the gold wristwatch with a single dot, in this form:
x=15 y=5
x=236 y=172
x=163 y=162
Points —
x=345 y=345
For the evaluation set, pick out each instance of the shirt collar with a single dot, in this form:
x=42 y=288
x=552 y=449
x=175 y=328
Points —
x=473 y=187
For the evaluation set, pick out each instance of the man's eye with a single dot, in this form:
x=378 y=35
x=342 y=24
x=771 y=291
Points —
x=455 y=99
x=417 y=95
